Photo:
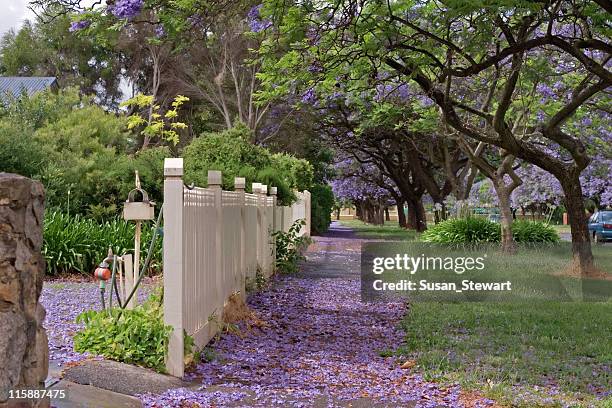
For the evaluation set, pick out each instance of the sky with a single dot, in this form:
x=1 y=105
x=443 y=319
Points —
x=12 y=14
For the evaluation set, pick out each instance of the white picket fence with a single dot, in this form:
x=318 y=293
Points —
x=214 y=241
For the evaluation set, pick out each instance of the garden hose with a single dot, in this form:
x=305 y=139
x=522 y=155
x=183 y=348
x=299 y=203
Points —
x=110 y=292
x=117 y=292
x=145 y=265
x=102 y=294
x=114 y=286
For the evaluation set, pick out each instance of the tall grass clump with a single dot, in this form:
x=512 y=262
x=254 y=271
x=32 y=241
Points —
x=77 y=244
x=462 y=231
x=529 y=231
x=473 y=230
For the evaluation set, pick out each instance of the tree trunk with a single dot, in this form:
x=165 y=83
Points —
x=416 y=219
x=387 y=216
x=581 y=242
x=508 y=245
x=401 y=215
x=359 y=210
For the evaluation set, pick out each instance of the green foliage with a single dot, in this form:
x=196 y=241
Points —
x=256 y=284
x=84 y=149
x=289 y=246
x=321 y=205
x=79 y=152
x=138 y=336
x=475 y=230
x=77 y=244
x=298 y=172
x=232 y=153
x=528 y=231
x=163 y=127
x=19 y=152
x=463 y=230
x=42 y=108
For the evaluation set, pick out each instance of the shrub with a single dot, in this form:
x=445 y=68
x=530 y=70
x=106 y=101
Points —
x=136 y=336
x=463 y=230
x=476 y=230
x=19 y=152
x=232 y=153
x=321 y=205
x=76 y=244
x=289 y=246
x=527 y=231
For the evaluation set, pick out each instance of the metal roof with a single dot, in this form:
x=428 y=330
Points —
x=16 y=86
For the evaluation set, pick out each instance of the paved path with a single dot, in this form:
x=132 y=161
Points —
x=317 y=345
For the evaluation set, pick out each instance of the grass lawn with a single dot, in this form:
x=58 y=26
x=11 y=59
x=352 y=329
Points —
x=521 y=355
x=533 y=353
x=391 y=230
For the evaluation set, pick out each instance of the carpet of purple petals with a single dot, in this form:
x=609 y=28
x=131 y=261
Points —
x=64 y=301
x=318 y=345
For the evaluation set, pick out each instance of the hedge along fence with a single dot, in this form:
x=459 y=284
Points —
x=214 y=241
x=77 y=244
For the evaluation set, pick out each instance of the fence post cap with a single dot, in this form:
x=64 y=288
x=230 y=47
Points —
x=239 y=183
x=264 y=189
x=214 y=178
x=256 y=187
x=273 y=191
x=173 y=166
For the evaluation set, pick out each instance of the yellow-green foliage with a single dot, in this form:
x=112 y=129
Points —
x=156 y=125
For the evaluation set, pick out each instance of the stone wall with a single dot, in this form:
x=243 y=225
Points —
x=24 y=349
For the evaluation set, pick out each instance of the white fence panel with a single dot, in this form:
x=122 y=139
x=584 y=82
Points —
x=214 y=241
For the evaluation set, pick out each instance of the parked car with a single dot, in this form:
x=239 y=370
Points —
x=600 y=226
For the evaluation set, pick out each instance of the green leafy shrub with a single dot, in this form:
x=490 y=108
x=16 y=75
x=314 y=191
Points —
x=136 y=336
x=19 y=152
x=463 y=230
x=232 y=153
x=528 y=231
x=476 y=230
x=77 y=244
x=321 y=205
x=289 y=246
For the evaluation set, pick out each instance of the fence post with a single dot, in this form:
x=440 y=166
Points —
x=239 y=185
x=307 y=203
x=273 y=193
x=214 y=184
x=265 y=246
x=258 y=245
x=173 y=263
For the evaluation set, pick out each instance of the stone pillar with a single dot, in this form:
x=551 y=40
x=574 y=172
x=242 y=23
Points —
x=24 y=350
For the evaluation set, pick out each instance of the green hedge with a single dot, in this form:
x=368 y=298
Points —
x=476 y=230
x=76 y=244
x=321 y=205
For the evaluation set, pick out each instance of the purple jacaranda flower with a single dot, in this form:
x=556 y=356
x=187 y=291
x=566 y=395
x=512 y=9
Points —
x=160 y=32
x=79 y=25
x=127 y=9
x=254 y=19
x=309 y=97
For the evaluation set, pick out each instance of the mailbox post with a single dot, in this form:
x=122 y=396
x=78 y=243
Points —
x=137 y=211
